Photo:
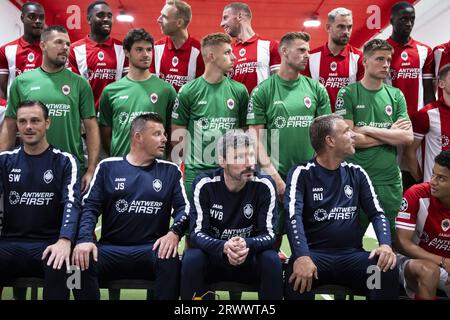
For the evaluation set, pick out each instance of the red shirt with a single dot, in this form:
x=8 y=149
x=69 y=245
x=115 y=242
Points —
x=335 y=72
x=19 y=56
x=441 y=55
x=411 y=63
x=177 y=66
x=2 y=109
x=432 y=124
x=427 y=216
x=256 y=58
x=99 y=63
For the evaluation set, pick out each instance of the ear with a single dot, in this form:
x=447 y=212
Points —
x=48 y=122
x=21 y=17
x=127 y=53
x=441 y=84
x=329 y=141
x=222 y=162
x=328 y=27
x=42 y=45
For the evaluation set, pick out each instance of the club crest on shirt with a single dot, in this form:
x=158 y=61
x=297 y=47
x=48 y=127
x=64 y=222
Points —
x=30 y=57
x=100 y=55
x=48 y=176
x=248 y=211
x=388 y=110
x=307 y=101
x=175 y=61
x=404 y=55
x=65 y=89
x=157 y=185
x=444 y=140
x=348 y=191
x=154 y=98
x=230 y=104
x=242 y=52
x=333 y=66
x=445 y=224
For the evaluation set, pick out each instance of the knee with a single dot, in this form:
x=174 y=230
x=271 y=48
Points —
x=428 y=274
x=194 y=259
x=269 y=259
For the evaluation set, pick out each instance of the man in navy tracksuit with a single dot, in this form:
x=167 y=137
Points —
x=232 y=231
x=323 y=197
x=41 y=193
x=135 y=195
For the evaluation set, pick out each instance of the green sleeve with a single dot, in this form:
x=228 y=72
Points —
x=400 y=108
x=13 y=99
x=105 y=113
x=256 y=112
x=344 y=104
x=323 y=106
x=170 y=104
x=181 y=108
x=243 y=105
x=87 y=105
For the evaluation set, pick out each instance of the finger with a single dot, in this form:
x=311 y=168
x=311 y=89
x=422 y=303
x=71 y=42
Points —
x=95 y=253
x=169 y=251
x=372 y=254
x=67 y=260
x=74 y=256
x=175 y=251
x=50 y=259
x=83 y=185
x=157 y=243
x=309 y=284
x=302 y=285
x=394 y=261
x=316 y=275
x=86 y=257
x=45 y=253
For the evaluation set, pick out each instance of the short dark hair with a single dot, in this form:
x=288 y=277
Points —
x=93 y=4
x=396 y=8
x=30 y=4
x=135 y=35
x=233 y=138
x=443 y=159
x=291 y=36
x=240 y=7
x=58 y=28
x=139 y=122
x=33 y=103
x=444 y=71
x=320 y=128
x=376 y=45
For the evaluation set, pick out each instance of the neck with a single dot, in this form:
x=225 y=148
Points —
x=246 y=33
x=30 y=39
x=232 y=184
x=212 y=74
x=49 y=67
x=371 y=83
x=98 y=38
x=400 y=39
x=287 y=73
x=329 y=161
x=334 y=48
x=137 y=74
x=37 y=148
x=139 y=159
x=179 y=38
x=446 y=98
x=445 y=202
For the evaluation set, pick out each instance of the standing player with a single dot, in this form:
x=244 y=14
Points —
x=431 y=131
x=206 y=107
x=2 y=110
x=177 y=57
x=232 y=224
x=377 y=113
x=423 y=234
x=137 y=93
x=336 y=63
x=323 y=198
x=67 y=96
x=41 y=189
x=23 y=54
x=441 y=54
x=256 y=57
x=98 y=57
x=135 y=195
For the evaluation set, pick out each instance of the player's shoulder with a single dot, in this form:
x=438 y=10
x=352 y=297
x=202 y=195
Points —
x=10 y=153
x=393 y=91
x=354 y=50
x=236 y=84
x=10 y=43
x=205 y=178
x=419 y=43
x=80 y=42
x=64 y=156
x=302 y=167
x=193 y=85
x=442 y=47
x=168 y=165
x=194 y=42
x=116 y=41
x=111 y=162
x=264 y=180
x=418 y=191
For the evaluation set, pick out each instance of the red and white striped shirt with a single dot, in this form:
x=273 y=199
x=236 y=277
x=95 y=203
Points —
x=99 y=63
x=2 y=110
x=411 y=64
x=428 y=217
x=432 y=124
x=256 y=58
x=335 y=72
x=441 y=55
x=19 y=56
x=177 y=66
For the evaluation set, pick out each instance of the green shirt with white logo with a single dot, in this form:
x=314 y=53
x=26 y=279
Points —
x=208 y=110
x=379 y=109
x=69 y=99
x=287 y=108
x=124 y=100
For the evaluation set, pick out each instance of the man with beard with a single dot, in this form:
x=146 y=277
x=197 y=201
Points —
x=98 y=57
x=232 y=223
x=137 y=93
x=336 y=63
x=68 y=98
x=177 y=57
x=23 y=54
x=256 y=57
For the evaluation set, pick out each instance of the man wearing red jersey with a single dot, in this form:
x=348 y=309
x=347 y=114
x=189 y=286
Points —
x=97 y=57
x=256 y=58
x=336 y=63
x=441 y=55
x=423 y=234
x=176 y=57
x=24 y=53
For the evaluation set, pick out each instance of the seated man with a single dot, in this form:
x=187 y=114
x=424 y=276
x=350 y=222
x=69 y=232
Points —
x=135 y=195
x=41 y=205
x=423 y=234
x=232 y=231
x=323 y=198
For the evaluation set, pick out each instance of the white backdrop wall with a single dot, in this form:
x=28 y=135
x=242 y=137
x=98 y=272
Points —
x=10 y=25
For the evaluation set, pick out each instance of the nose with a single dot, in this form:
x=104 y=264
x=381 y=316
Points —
x=233 y=57
x=159 y=19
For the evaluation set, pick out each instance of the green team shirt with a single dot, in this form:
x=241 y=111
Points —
x=208 y=110
x=287 y=108
x=69 y=99
x=379 y=109
x=124 y=100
